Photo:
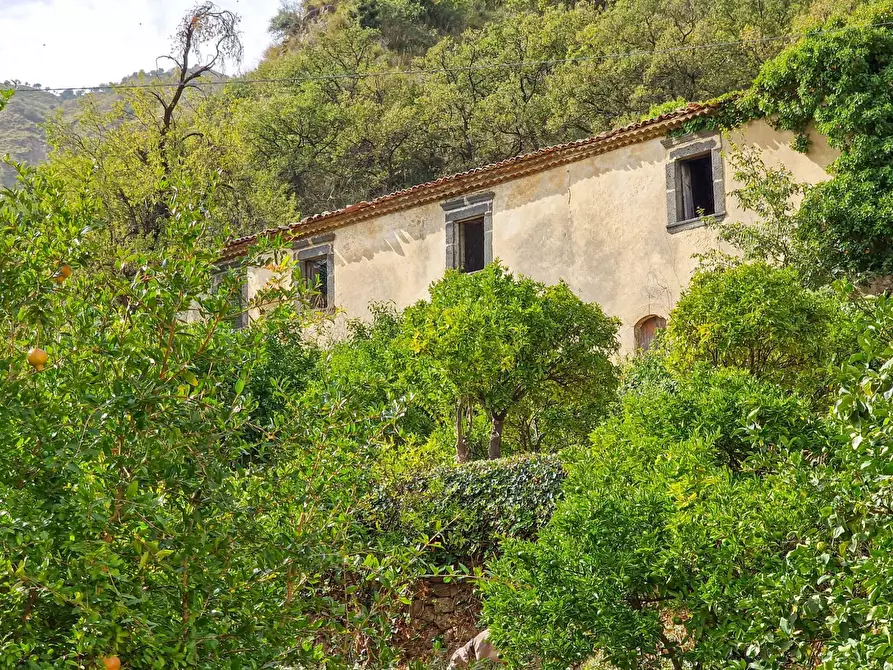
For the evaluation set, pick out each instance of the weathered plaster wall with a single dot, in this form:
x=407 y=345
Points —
x=389 y=258
x=600 y=224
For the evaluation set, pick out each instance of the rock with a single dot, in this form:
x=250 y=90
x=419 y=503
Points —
x=442 y=590
x=477 y=649
x=444 y=606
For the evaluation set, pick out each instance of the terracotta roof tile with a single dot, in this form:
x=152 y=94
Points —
x=480 y=177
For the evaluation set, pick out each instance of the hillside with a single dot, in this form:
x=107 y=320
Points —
x=462 y=83
x=21 y=135
x=359 y=98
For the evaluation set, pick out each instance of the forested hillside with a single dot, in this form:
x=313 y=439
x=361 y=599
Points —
x=21 y=132
x=361 y=98
x=485 y=81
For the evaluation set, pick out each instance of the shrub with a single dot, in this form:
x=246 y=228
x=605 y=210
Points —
x=669 y=547
x=467 y=509
x=760 y=319
x=746 y=419
x=506 y=343
x=285 y=367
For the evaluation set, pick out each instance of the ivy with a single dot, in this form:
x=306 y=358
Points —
x=837 y=80
x=470 y=507
x=730 y=112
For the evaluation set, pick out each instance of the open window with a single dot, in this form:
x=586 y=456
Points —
x=695 y=180
x=647 y=329
x=696 y=187
x=315 y=272
x=471 y=245
x=469 y=232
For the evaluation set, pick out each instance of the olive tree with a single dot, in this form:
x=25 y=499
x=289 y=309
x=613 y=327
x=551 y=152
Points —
x=497 y=340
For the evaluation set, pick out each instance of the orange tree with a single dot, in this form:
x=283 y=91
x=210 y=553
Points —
x=140 y=517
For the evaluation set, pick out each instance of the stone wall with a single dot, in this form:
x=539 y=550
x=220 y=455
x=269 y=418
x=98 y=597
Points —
x=442 y=617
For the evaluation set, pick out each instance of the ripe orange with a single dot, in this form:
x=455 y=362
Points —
x=37 y=358
x=63 y=273
x=112 y=663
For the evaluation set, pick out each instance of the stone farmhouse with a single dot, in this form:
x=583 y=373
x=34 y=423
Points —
x=615 y=216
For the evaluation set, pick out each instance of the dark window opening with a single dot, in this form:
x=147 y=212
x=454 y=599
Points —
x=471 y=244
x=696 y=177
x=647 y=330
x=316 y=278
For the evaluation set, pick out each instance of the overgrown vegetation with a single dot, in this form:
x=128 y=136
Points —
x=718 y=521
x=140 y=517
x=835 y=81
x=179 y=493
x=472 y=507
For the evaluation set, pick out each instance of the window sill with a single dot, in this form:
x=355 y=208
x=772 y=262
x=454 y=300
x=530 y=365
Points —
x=698 y=222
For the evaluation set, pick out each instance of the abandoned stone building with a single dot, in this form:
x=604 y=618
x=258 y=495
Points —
x=615 y=216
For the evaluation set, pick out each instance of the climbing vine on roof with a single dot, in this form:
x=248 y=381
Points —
x=838 y=79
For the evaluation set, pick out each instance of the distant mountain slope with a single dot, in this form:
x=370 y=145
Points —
x=22 y=135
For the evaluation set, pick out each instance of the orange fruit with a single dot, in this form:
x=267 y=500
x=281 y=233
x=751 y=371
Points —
x=63 y=273
x=37 y=358
x=112 y=663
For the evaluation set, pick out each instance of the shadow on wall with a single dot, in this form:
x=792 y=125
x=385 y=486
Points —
x=572 y=221
x=390 y=233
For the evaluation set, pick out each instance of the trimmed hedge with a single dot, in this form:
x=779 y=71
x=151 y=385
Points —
x=465 y=510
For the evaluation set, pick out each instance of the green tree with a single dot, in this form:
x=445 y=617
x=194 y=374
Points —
x=140 y=518
x=335 y=136
x=495 y=340
x=669 y=548
x=760 y=319
x=775 y=235
x=664 y=551
x=848 y=215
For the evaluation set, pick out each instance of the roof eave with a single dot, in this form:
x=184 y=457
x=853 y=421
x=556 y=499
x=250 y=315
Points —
x=478 y=178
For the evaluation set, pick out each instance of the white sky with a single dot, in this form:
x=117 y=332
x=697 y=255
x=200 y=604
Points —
x=76 y=43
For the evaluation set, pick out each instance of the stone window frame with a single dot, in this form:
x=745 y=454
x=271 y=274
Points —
x=688 y=146
x=467 y=208
x=317 y=248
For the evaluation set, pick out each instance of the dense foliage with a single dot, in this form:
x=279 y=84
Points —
x=140 y=518
x=180 y=494
x=834 y=81
x=502 y=343
x=838 y=80
x=759 y=319
x=466 y=511
x=720 y=520
x=489 y=364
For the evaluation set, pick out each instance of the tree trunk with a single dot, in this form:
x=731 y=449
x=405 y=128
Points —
x=495 y=448
x=462 y=455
